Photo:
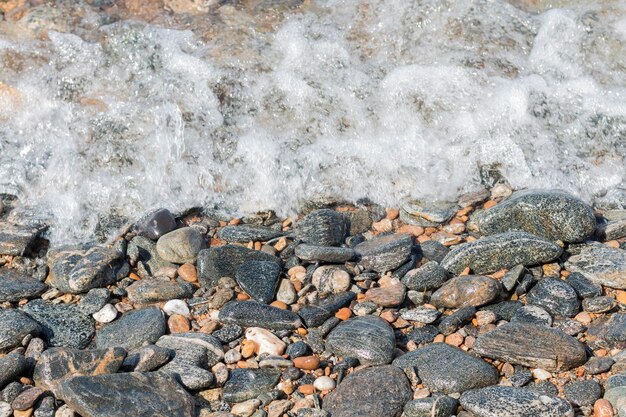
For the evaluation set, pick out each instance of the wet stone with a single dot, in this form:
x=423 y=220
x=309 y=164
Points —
x=330 y=254
x=255 y=314
x=152 y=290
x=315 y=315
x=155 y=224
x=143 y=252
x=600 y=304
x=15 y=285
x=368 y=338
x=181 y=245
x=450 y=324
x=11 y=368
x=246 y=384
x=384 y=253
x=62 y=324
x=427 y=214
x=259 y=279
x=127 y=394
x=504 y=310
x=379 y=391
x=433 y=250
x=429 y=276
x=447 y=369
x=322 y=228
x=601 y=264
x=468 y=290
x=133 y=329
x=513 y=402
x=15 y=325
x=505 y=250
x=532 y=314
x=298 y=349
x=581 y=393
x=436 y=406
x=556 y=296
x=247 y=233
x=584 y=287
x=94 y=300
x=531 y=345
x=17 y=239
x=191 y=359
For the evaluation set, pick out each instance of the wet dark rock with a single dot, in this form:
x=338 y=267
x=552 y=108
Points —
x=584 y=287
x=56 y=365
x=255 y=314
x=582 y=393
x=423 y=335
x=62 y=324
x=521 y=376
x=181 y=245
x=224 y=261
x=155 y=224
x=368 y=338
x=553 y=214
x=379 y=391
x=247 y=233
x=601 y=304
x=427 y=214
x=504 y=310
x=17 y=239
x=556 y=296
x=505 y=250
x=598 y=365
x=142 y=251
x=16 y=285
x=15 y=325
x=436 y=406
x=228 y=333
x=385 y=253
x=513 y=402
x=94 y=300
x=324 y=253
x=127 y=394
x=322 y=228
x=468 y=290
x=298 y=349
x=132 y=330
x=609 y=329
x=532 y=314
x=259 y=279
x=533 y=346
x=450 y=324
x=433 y=250
x=315 y=315
x=152 y=290
x=11 y=368
x=245 y=384
x=599 y=263
x=447 y=369
x=429 y=276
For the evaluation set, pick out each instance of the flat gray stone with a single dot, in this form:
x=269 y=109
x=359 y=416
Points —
x=324 y=253
x=15 y=285
x=259 y=279
x=255 y=314
x=385 y=253
x=323 y=227
x=247 y=233
x=15 y=325
x=11 y=368
x=368 y=338
x=498 y=401
x=427 y=214
x=132 y=330
x=181 y=245
x=151 y=290
x=599 y=263
x=246 y=384
x=63 y=324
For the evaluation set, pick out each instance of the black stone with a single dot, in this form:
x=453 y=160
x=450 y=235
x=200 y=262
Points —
x=15 y=285
x=246 y=384
x=247 y=233
x=298 y=349
x=422 y=335
x=532 y=314
x=17 y=239
x=584 y=287
x=504 y=310
x=433 y=250
x=598 y=365
x=133 y=329
x=228 y=333
x=450 y=324
x=63 y=324
x=368 y=338
x=555 y=296
x=315 y=315
x=521 y=376
x=11 y=367
x=15 y=325
x=155 y=224
x=322 y=228
x=94 y=300
x=428 y=277
x=255 y=314
x=152 y=290
x=259 y=279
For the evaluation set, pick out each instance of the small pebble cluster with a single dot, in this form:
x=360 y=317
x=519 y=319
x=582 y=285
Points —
x=499 y=304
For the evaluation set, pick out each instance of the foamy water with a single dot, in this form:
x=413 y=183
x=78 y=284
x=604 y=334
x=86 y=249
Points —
x=380 y=99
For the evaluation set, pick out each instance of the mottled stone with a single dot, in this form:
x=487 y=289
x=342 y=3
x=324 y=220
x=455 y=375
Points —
x=181 y=245
x=152 y=290
x=247 y=233
x=330 y=279
x=143 y=252
x=315 y=315
x=601 y=264
x=429 y=276
x=259 y=279
x=533 y=346
x=322 y=228
x=17 y=239
x=379 y=391
x=155 y=224
x=532 y=314
x=617 y=398
x=255 y=314
x=467 y=290
x=611 y=329
x=498 y=401
x=389 y=296
x=505 y=250
x=11 y=367
x=421 y=314
x=513 y=276
x=324 y=253
x=611 y=230
x=59 y=364
x=583 y=393
x=15 y=325
x=433 y=250
x=584 y=287
x=368 y=338
x=447 y=369
x=94 y=300
x=385 y=253
x=504 y=310
x=556 y=296
x=597 y=365
x=15 y=285
x=598 y=305
x=63 y=324
x=246 y=384
x=427 y=214
x=437 y=406
x=147 y=359
x=127 y=394
x=133 y=329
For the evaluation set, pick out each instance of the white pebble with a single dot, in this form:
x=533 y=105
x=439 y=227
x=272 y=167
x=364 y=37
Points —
x=246 y=408
x=266 y=341
x=107 y=314
x=5 y=409
x=176 y=307
x=541 y=374
x=324 y=383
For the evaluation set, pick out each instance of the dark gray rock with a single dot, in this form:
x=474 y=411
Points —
x=133 y=329
x=505 y=250
x=379 y=391
x=450 y=324
x=223 y=261
x=447 y=369
x=213 y=351
x=533 y=346
x=315 y=315
x=45 y=408
x=15 y=325
x=152 y=290
x=433 y=250
x=513 y=402
x=556 y=296
x=532 y=314
x=181 y=245
x=56 y=365
x=155 y=224
x=246 y=384
x=368 y=338
x=77 y=269
x=427 y=214
x=601 y=304
x=324 y=253
x=598 y=365
x=584 y=287
x=16 y=239
x=322 y=228
x=142 y=251
x=424 y=315
x=513 y=277
x=422 y=335
x=468 y=290
x=255 y=314
x=610 y=329
x=15 y=285
x=63 y=324
x=612 y=229
x=127 y=394
x=599 y=263
x=504 y=310
x=439 y=406
x=247 y=233
x=618 y=380
x=94 y=300
x=428 y=277
x=148 y=358
x=190 y=364
x=521 y=376
x=228 y=333
x=298 y=349
x=553 y=214
x=259 y=279
x=11 y=368
x=385 y=253
x=583 y=393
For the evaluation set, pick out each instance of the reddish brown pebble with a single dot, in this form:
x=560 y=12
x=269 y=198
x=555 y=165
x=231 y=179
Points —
x=306 y=389
x=178 y=323
x=454 y=339
x=242 y=296
x=188 y=272
x=280 y=305
x=392 y=213
x=602 y=408
x=343 y=313
x=26 y=399
x=489 y=204
x=134 y=276
x=308 y=363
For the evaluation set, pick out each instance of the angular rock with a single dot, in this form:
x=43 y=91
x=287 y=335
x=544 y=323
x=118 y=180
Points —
x=94 y=300
x=324 y=253
x=147 y=359
x=555 y=296
x=500 y=401
x=385 y=253
x=246 y=384
x=190 y=361
x=247 y=233
x=15 y=325
x=155 y=224
x=62 y=324
x=601 y=264
x=450 y=324
x=428 y=277
x=322 y=228
x=610 y=329
x=379 y=391
x=315 y=315
x=505 y=250
x=390 y=296
x=56 y=365
x=11 y=367
x=433 y=250
x=369 y=339
x=468 y=290
x=611 y=230
x=584 y=287
x=440 y=406
x=447 y=369
x=143 y=252
x=259 y=279
x=132 y=330
x=127 y=394
x=255 y=314
x=15 y=285
x=181 y=245
x=17 y=239
x=531 y=345
x=152 y=290
x=424 y=214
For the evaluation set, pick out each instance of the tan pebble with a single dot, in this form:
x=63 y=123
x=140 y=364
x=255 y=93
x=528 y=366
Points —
x=343 y=313
x=242 y=296
x=423 y=238
x=134 y=276
x=392 y=213
x=257 y=245
x=295 y=270
x=602 y=408
x=178 y=323
x=234 y=222
x=281 y=244
x=24 y=413
x=308 y=363
x=439 y=338
x=306 y=389
x=188 y=272
x=430 y=230
x=385 y=225
x=454 y=339
x=280 y=305
x=612 y=244
x=264 y=341
x=209 y=327
x=583 y=318
x=470 y=239
x=508 y=370
x=411 y=346
x=620 y=296
x=242 y=364
x=247 y=348
x=388 y=316
x=409 y=229
x=602 y=352
x=287 y=222
x=287 y=388
x=489 y=204
x=466 y=271
x=26 y=381
x=469 y=341
x=302 y=331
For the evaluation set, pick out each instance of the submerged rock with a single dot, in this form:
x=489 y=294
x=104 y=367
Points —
x=601 y=264
x=15 y=285
x=155 y=224
x=500 y=401
x=247 y=233
x=369 y=339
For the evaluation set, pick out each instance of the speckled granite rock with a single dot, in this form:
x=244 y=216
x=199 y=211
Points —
x=599 y=263
x=556 y=296
x=498 y=401
x=259 y=279
x=255 y=314
x=245 y=384
x=368 y=338
x=15 y=285
x=427 y=214
x=133 y=329
x=152 y=290
x=11 y=367
x=15 y=325
x=429 y=276
x=384 y=253
x=247 y=233
x=435 y=406
x=16 y=239
x=322 y=227
x=62 y=324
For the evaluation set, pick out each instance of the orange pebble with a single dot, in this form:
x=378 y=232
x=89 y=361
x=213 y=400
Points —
x=612 y=244
x=178 y=323
x=489 y=204
x=306 y=389
x=602 y=408
x=466 y=271
x=280 y=305
x=257 y=245
x=188 y=272
x=423 y=238
x=242 y=296
x=234 y=222
x=134 y=276
x=393 y=213
x=302 y=331
x=308 y=363
x=343 y=313
x=621 y=296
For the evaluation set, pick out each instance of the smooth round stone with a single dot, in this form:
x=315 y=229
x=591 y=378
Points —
x=532 y=314
x=156 y=224
x=153 y=290
x=255 y=314
x=63 y=324
x=389 y=296
x=133 y=329
x=297 y=349
x=556 y=296
x=447 y=369
x=369 y=339
x=421 y=314
x=180 y=246
x=324 y=253
x=597 y=365
x=322 y=228
x=11 y=367
x=14 y=286
x=582 y=393
x=259 y=279
x=433 y=250
x=600 y=304
x=513 y=402
x=379 y=391
x=106 y=314
x=584 y=287
x=15 y=325
x=247 y=233
x=246 y=384
x=427 y=214
x=600 y=263
x=176 y=307
x=324 y=383
x=439 y=406
x=385 y=253
x=469 y=290
x=329 y=279
x=450 y=324
x=428 y=277
x=228 y=333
